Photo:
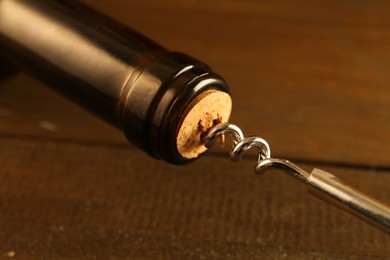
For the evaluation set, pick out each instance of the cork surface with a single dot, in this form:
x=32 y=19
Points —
x=206 y=110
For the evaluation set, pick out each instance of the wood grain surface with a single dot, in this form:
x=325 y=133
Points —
x=311 y=77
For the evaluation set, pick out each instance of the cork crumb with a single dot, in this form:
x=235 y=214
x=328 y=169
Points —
x=207 y=110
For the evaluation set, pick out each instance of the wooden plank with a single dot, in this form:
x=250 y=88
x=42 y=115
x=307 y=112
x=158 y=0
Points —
x=74 y=200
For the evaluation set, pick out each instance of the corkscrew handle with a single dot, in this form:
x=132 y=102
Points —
x=331 y=189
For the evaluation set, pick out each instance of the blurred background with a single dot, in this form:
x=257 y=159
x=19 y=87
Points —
x=310 y=77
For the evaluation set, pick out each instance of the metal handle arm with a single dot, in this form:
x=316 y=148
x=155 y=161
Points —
x=329 y=188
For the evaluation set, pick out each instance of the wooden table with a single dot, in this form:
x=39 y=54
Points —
x=312 y=78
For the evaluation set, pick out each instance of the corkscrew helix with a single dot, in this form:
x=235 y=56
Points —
x=241 y=144
x=324 y=185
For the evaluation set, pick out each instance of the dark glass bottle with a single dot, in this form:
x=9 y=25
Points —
x=113 y=71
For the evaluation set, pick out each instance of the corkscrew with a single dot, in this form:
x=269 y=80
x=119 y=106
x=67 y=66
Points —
x=320 y=183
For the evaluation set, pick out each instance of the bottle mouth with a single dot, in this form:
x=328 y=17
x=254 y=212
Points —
x=198 y=101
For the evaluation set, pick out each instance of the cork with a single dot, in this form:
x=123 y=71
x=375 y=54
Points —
x=205 y=111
